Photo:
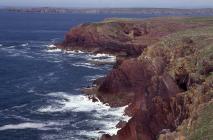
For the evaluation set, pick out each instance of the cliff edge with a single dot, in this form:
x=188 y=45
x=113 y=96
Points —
x=165 y=76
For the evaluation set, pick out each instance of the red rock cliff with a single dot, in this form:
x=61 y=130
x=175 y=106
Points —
x=119 y=36
x=161 y=85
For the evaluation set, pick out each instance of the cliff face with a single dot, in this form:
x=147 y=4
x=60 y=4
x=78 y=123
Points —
x=152 y=106
x=120 y=36
x=166 y=73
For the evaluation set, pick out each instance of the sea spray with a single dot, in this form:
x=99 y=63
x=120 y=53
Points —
x=81 y=103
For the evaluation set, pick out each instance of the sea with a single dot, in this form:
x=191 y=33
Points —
x=40 y=89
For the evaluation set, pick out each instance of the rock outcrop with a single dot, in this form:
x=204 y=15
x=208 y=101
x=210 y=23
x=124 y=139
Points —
x=121 y=37
x=163 y=72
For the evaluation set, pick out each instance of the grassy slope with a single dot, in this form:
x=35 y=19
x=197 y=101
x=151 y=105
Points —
x=203 y=127
x=191 y=52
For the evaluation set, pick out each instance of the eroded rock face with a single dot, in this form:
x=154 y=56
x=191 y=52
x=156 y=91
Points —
x=120 y=37
x=152 y=104
x=128 y=77
x=105 y=38
x=139 y=77
x=154 y=85
x=172 y=88
x=161 y=114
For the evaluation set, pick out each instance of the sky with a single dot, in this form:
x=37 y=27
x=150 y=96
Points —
x=110 y=3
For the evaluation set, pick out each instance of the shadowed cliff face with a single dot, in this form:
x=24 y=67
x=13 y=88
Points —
x=151 y=106
x=138 y=76
x=166 y=81
x=164 y=74
x=160 y=116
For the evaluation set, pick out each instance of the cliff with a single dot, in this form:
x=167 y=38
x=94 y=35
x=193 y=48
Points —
x=124 y=37
x=165 y=74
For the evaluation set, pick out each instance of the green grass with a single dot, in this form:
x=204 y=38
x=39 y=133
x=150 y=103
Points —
x=192 y=56
x=194 y=34
x=203 y=129
x=208 y=20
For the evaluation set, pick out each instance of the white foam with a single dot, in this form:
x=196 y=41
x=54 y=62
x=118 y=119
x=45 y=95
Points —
x=51 y=46
x=20 y=106
x=74 y=52
x=54 y=50
x=32 y=125
x=106 y=60
x=102 y=58
x=81 y=103
x=75 y=103
x=11 y=47
x=1 y=45
x=51 y=74
x=24 y=45
x=93 y=77
x=23 y=126
x=101 y=55
x=92 y=58
x=86 y=65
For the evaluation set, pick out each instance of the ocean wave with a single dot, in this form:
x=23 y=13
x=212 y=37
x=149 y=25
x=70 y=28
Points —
x=74 y=52
x=99 y=55
x=94 y=58
x=33 y=125
x=25 y=44
x=19 y=106
x=1 y=45
x=86 y=65
x=28 y=125
x=93 y=77
x=75 y=103
x=52 y=48
x=80 y=103
x=11 y=47
x=51 y=74
x=13 y=51
x=102 y=58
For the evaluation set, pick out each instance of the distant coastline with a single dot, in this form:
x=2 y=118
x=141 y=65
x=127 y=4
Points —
x=154 y=11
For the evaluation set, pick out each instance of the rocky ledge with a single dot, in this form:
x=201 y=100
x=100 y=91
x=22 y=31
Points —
x=123 y=37
x=163 y=73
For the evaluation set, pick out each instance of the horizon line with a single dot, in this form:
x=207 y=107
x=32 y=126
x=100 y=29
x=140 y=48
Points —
x=65 y=7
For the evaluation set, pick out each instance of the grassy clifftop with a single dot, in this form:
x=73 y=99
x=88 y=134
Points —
x=189 y=57
x=163 y=72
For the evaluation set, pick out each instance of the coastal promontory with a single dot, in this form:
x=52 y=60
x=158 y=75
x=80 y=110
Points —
x=163 y=73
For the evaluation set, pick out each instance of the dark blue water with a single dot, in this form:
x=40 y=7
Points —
x=40 y=96
x=39 y=90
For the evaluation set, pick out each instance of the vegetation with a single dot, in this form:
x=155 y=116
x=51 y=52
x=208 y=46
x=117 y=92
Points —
x=189 y=55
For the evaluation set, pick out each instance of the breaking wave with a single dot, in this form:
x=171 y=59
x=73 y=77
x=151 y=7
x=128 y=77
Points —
x=92 y=58
x=25 y=44
x=85 y=65
x=29 y=125
x=79 y=103
x=94 y=77
x=102 y=58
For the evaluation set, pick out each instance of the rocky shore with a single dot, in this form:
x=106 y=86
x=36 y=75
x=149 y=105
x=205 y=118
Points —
x=163 y=73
